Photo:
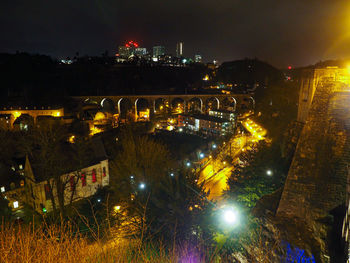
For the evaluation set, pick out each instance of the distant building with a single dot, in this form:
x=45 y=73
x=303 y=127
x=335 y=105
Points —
x=140 y=52
x=124 y=52
x=197 y=58
x=224 y=114
x=179 y=49
x=129 y=49
x=158 y=51
x=206 y=125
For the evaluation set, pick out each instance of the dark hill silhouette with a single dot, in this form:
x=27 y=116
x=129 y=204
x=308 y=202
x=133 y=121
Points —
x=248 y=72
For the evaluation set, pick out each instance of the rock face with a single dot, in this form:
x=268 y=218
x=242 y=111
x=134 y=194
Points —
x=316 y=182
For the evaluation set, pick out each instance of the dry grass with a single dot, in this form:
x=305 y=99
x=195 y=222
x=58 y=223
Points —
x=22 y=244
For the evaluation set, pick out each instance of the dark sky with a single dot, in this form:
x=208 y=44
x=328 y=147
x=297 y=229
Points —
x=282 y=32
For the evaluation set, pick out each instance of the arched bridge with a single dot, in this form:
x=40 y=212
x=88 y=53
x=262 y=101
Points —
x=236 y=100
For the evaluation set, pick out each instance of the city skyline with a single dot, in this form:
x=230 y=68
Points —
x=282 y=34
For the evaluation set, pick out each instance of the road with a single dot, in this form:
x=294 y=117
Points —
x=216 y=172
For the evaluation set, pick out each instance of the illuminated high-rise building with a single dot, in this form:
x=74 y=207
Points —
x=128 y=49
x=124 y=51
x=158 y=51
x=140 y=51
x=179 y=49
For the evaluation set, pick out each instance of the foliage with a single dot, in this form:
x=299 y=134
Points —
x=171 y=204
x=251 y=180
x=140 y=157
x=53 y=244
x=176 y=208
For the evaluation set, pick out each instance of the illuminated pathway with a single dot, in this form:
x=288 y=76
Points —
x=216 y=172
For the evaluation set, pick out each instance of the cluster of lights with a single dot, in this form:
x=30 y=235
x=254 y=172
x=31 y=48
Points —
x=257 y=131
x=132 y=44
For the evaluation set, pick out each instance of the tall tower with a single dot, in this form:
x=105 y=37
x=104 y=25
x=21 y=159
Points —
x=179 y=49
x=158 y=51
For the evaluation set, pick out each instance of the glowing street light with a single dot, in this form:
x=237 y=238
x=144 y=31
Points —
x=230 y=217
x=188 y=164
x=172 y=174
x=201 y=155
x=214 y=146
x=269 y=172
x=142 y=186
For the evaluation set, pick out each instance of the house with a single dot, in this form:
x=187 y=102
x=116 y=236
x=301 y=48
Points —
x=39 y=194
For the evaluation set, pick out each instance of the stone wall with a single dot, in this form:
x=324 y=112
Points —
x=316 y=181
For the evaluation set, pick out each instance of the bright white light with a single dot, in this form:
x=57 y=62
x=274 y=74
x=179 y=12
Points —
x=132 y=177
x=230 y=216
x=188 y=164
x=172 y=174
x=269 y=172
x=201 y=155
x=214 y=146
x=142 y=186
x=98 y=200
x=180 y=130
x=2 y=189
x=15 y=204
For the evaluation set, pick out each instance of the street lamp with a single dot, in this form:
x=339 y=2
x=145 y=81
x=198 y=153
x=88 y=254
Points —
x=269 y=172
x=201 y=155
x=230 y=216
x=172 y=174
x=214 y=146
x=142 y=186
x=188 y=164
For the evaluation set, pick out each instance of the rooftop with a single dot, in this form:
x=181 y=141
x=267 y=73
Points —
x=208 y=118
x=223 y=111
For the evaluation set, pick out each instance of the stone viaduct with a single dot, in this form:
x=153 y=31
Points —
x=316 y=183
x=203 y=99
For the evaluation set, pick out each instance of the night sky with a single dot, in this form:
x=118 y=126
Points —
x=281 y=32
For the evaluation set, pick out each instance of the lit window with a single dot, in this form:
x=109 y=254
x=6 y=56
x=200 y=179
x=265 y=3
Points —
x=94 y=179
x=2 y=189
x=15 y=204
x=72 y=184
x=83 y=180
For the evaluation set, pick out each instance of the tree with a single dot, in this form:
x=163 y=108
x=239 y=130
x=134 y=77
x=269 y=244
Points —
x=5 y=210
x=141 y=157
x=52 y=156
x=262 y=171
x=163 y=202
